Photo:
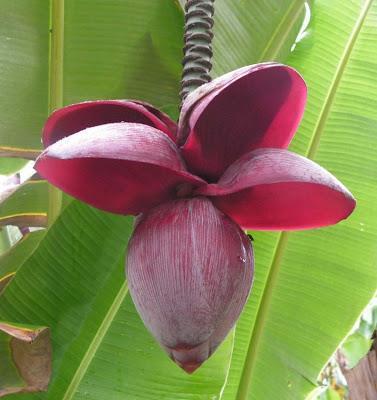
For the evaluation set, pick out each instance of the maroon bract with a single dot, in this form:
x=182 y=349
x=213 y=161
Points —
x=225 y=166
x=190 y=270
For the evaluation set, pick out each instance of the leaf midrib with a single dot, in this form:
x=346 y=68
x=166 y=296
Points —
x=251 y=357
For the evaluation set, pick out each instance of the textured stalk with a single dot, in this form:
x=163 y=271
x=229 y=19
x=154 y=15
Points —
x=198 y=45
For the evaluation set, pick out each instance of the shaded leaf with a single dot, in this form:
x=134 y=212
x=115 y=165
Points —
x=27 y=206
x=11 y=260
x=169 y=51
x=11 y=165
x=24 y=55
x=251 y=31
x=112 y=44
x=357 y=345
x=355 y=348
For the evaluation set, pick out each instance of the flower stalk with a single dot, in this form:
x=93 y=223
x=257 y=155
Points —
x=197 y=49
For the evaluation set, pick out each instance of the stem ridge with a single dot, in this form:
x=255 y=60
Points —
x=197 y=50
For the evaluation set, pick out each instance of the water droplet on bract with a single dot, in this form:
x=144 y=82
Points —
x=242 y=259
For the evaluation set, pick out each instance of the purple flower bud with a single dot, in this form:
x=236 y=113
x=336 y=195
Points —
x=190 y=271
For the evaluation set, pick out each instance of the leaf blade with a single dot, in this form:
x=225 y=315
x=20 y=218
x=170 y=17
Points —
x=281 y=347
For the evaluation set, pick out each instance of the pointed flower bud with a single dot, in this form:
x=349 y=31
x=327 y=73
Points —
x=190 y=271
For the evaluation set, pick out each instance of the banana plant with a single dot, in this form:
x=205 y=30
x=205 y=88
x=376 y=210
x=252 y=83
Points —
x=69 y=328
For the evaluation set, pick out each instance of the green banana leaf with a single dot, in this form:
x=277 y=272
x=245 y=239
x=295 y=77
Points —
x=14 y=257
x=309 y=287
x=358 y=344
x=9 y=166
x=27 y=206
x=24 y=50
x=254 y=31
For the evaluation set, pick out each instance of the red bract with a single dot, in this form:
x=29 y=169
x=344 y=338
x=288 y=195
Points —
x=190 y=270
x=225 y=166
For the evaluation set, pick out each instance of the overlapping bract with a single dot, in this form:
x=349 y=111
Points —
x=190 y=270
x=223 y=167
